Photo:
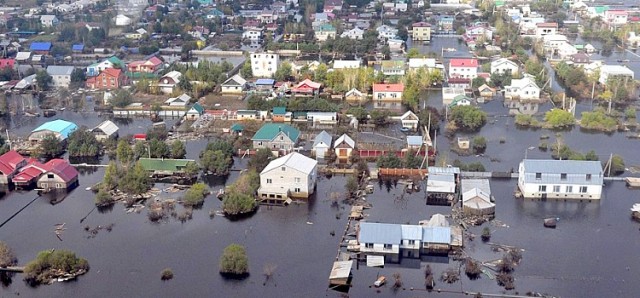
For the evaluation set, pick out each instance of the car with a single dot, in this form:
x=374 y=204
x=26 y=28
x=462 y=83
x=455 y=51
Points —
x=405 y=129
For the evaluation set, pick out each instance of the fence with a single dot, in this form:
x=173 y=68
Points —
x=402 y=172
x=378 y=153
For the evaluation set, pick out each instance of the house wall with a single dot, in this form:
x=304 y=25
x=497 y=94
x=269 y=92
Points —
x=505 y=67
x=463 y=72
x=320 y=150
x=264 y=64
x=61 y=80
x=50 y=180
x=227 y=89
x=378 y=248
x=277 y=181
x=343 y=153
x=557 y=190
x=39 y=135
x=421 y=33
x=281 y=142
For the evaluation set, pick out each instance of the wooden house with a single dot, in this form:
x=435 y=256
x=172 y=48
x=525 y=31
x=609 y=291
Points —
x=59 y=175
x=343 y=146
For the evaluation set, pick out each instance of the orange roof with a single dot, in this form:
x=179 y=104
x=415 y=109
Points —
x=388 y=87
x=112 y=72
x=463 y=63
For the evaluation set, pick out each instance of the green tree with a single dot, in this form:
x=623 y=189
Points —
x=389 y=160
x=178 y=149
x=411 y=160
x=284 y=72
x=50 y=146
x=111 y=176
x=430 y=117
x=136 y=181
x=557 y=118
x=468 y=118
x=123 y=152
x=261 y=159
x=216 y=162
x=359 y=113
x=617 y=165
x=320 y=74
x=195 y=195
x=479 y=144
x=246 y=72
x=78 y=77
x=477 y=82
x=50 y=264
x=103 y=198
x=82 y=143
x=224 y=146
x=43 y=80
x=413 y=53
x=234 y=260
x=411 y=97
x=352 y=186
x=140 y=150
x=192 y=169
x=591 y=155
x=159 y=149
x=185 y=85
x=380 y=117
x=121 y=98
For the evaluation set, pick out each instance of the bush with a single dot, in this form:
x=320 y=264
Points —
x=527 y=120
x=389 y=161
x=166 y=274
x=195 y=195
x=557 y=118
x=234 y=260
x=82 y=143
x=598 y=120
x=468 y=118
x=7 y=256
x=216 y=162
x=352 y=186
x=53 y=263
x=479 y=145
x=617 y=165
x=472 y=268
x=630 y=113
x=103 y=198
x=486 y=234
x=235 y=203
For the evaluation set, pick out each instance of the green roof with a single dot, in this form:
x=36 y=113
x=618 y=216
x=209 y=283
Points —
x=198 y=108
x=169 y=165
x=579 y=46
x=116 y=61
x=279 y=110
x=601 y=9
x=269 y=131
x=237 y=127
x=326 y=27
x=139 y=75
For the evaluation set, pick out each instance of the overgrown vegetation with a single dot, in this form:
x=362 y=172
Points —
x=598 y=120
x=166 y=274
x=82 y=143
x=217 y=158
x=234 y=261
x=52 y=264
x=472 y=268
x=194 y=196
x=239 y=197
x=261 y=159
x=467 y=118
x=7 y=256
x=557 y=118
x=50 y=147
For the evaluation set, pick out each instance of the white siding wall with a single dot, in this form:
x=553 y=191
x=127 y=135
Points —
x=379 y=248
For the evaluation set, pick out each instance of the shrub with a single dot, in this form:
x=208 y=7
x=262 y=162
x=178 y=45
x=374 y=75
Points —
x=234 y=260
x=166 y=274
x=468 y=118
x=352 y=185
x=598 y=120
x=630 y=113
x=527 y=120
x=195 y=195
x=486 y=234
x=450 y=276
x=235 y=203
x=617 y=165
x=7 y=256
x=53 y=263
x=103 y=198
x=557 y=118
x=479 y=145
x=472 y=268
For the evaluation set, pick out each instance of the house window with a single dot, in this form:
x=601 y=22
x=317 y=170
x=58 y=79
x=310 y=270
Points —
x=538 y=176
x=50 y=176
x=297 y=189
x=583 y=189
x=556 y=188
x=563 y=176
x=297 y=179
x=269 y=181
x=259 y=143
x=283 y=168
x=542 y=188
x=412 y=242
x=569 y=189
x=368 y=245
x=588 y=177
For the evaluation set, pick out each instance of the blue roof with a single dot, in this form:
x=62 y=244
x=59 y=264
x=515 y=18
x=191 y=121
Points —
x=436 y=235
x=77 y=47
x=40 y=46
x=265 y=82
x=380 y=233
x=65 y=128
x=322 y=137
x=562 y=172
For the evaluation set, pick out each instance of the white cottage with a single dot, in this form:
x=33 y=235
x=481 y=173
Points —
x=343 y=146
x=234 y=85
x=560 y=179
x=409 y=120
x=504 y=65
x=290 y=176
x=321 y=144
x=525 y=88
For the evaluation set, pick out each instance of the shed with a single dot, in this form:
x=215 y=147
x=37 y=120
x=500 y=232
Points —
x=40 y=47
x=343 y=146
x=321 y=144
x=165 y=166
x=463 y=143
x=414 y=142
x=409 y=120
x=477 y=202
x=340 y=273
x=105 y=130
x=77 y=48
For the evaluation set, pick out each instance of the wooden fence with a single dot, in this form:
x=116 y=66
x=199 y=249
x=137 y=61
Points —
x=402 y=172
x=377 y=153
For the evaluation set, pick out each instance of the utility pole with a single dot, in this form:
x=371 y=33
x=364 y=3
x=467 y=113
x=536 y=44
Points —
x=593 y=90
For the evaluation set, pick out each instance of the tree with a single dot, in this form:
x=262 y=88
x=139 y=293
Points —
x=246 y=72
x=82 y=143
x=479 y=145
x=486 y=234
x=50 y=264
x=261 y=159
x=216 y=162
x=136 y=181
x=359 y=113
x=411 y=160
x=139 y=150
x=430 y=117
x=236 y=203
x=121 y=98
x=234 y=260
x=320 y=74
x=352 y=186
x=185 y=85
x=468 y=118
x=123 y=152
x=195 y=195
x=389 y=160
x=7 y=256
x=103 y=198
x=411 y=97
x=477 y=82
x=178 y=149
x=380 y=117
x=284 y=72
x=413 y=53
x=43 y=80
x=557 y=118
x=78 y=77
x=111 y=176
x=50 y=146
x=159 y=149
x=617 y=165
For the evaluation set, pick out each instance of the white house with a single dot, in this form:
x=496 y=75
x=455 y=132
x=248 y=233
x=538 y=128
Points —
x=410 y=241
x=290 y=176
x=180 y=101
x=252 y=35
x=264 y=64
x=611 y=71
x=49 y=20
x=504 y=65
x=321 y=144
x=525 y=88
x=105 y=130
x=169 y=81
x=463 y=68
x=409 y=120
x=355 y=34
x=449 y=93
x=322 y=117
x=561 y=179
x=122 y=20
x=616 y=17
x=61 y=75
x=342 y=64
x=233 y=85
x=566 y=49
x=401 y=6
x=385 y=32
x=429 y=63
x=543 y=29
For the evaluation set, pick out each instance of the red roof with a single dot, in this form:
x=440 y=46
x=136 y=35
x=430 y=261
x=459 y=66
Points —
x=388 y=87
x=140 y=136
x=547 y=25
x=421 y=24
x=463 y=63
x=155 y=61
x=7 y=63
x=10 y=161
x=459 y=81
x=308 y=84
x=62 y=168
x=617 y=12
x=33 y=170
x=112 y=72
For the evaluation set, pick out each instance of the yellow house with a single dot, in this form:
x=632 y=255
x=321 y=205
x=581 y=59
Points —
x=421 y=31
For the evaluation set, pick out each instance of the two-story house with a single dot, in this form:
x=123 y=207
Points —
x=504 y=65
x=60 y=75
x=421 y=31
x=560 y=179
x=356 y=34
x=543 y=29
x=280 y=138
x=463 y=68
x=108 y=79
x=324 y=32
x=523 y=89
x=388 y=96
x=49 y=20
x=291 y=176
x=264 y=64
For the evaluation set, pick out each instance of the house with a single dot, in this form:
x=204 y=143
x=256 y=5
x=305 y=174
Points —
x=441 y=188
x=321 y=144
x=476 y=197
x=543 y=29
x=96 y=68
x=194 y=112
x=41 y=48
x=23 y=57
x=354 y=95
x=122 y=20
x=61 y=129
x=393 y=67
x=614 y=71
x=463 y=143
x=524 y=89
x=560 y=179
x=346 y=64
x=388 y=95
x=264 y=64
x=329 y=118
x=280 y=138
x=565 y=50
x=580 y=58
x=414 y=143
x=409 y=241
x=247 y=115
x=59 y=175
x=343 y=146
x=386 y=32
x=29 y=174
x=10 y=163
x=105 y=130
x=421 y=31
x=324 y=32
x=234 y=85
x=395 y=44
x=264 y=85
x=280 y=114
x=486 y=92
x=252 y=34
x=460 y=100
x=616 y=17
x=504 y=65
x=108 y=79
x=462 y=83
x=307 y=87
x=463 y=68
x=168 y=82
x=151 y=65
x=428 y=63
x=291 y=176
x=48 y=20
x=355 y=34
x=7 y=63
x=409 y=120
x=180 y=101
x=445 y=23
x=159 y=167
x=60 y=75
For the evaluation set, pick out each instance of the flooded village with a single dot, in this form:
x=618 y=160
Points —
x=319 y=148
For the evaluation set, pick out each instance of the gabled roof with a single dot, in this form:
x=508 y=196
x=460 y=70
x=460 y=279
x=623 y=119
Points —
x=62 y=168
x=115 y=61
x=322 y=138
x=309 y=83
x=198 y=108
x=269 y=131
x=65 y=128
x=56 y=70
x=32 y=170
x=235 y=80
x=502 y=61
x=112 y=72
x=346 y=139
x=409 y=115
x=292 y=160
x=388 y=87
x=174 y=75
x=9 y=162
x=380 y=233
x=279 y=110
x=353 y=92
x=109 y=128
x=460 y=62
x=23 y=56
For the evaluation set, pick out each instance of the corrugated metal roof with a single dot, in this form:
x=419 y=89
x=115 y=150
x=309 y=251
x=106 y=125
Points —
x=40 y=46
x=475 y=193
x=293 y=160
x=109 y=128
x=436 y=235
x=414 y=140
x=269 y=131
x=442 y=170
x=551 y=171
x=322 y=138
x=381 y=233
x=411 y=232
x=345 y=138
x=60 y=126
x=437 y=220
x=482 y=184
x=164 y=164
x=443 y=183
x=57 y=70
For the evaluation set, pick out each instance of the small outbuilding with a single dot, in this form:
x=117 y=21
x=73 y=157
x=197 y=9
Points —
x=61 y=129
x=321 y=144
x=105 y=130
x=409 y=120
x=343 y=147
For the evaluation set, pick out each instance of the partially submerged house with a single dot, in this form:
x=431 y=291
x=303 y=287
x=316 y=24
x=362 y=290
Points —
x=343 y=146
x=61 y=129
x=409 y=120
x=476 y=197
x=560 y=179
x=28 y=176
x=105 y=130
x=354 y=95
x=321 y=144
x=290 y=176
x=441 y=185
x=59 y=175
x=162 y=167
x=10 y=163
